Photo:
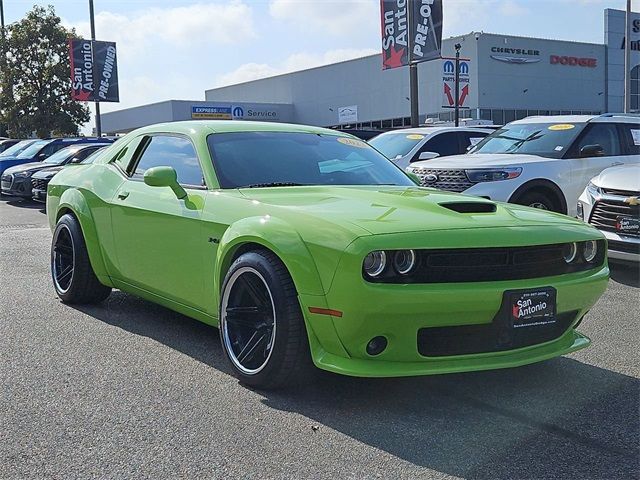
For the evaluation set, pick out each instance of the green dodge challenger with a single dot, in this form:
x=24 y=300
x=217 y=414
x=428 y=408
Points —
x=308 y=247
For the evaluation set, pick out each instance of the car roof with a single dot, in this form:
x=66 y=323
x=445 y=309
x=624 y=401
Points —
x=430 y=130
x=206 y=127
x=604 y=118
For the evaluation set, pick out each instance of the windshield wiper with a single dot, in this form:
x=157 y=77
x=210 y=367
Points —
x=516 y=146
x=274 y=184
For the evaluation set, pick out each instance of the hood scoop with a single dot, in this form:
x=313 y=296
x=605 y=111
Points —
x=470 y=207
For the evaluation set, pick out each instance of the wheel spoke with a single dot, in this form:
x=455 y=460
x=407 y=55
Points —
x=63 y=250
x=253 y=290
x=65 y=273
x=251 y=347
x=249 y=317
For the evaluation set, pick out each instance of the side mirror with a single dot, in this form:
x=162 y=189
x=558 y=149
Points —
x=592 y=151
x=428 y=155
x=164 y=177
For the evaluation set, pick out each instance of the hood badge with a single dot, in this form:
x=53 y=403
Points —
x=632 y=201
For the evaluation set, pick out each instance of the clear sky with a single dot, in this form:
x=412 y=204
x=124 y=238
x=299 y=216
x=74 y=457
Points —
x=176 y=49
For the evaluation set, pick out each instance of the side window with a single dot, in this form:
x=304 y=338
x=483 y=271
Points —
x=632 y=134
x=170 y=151
x=603 y=134
x=470 y=139
x=52 y=148
x=82 y=154
x=444 y=144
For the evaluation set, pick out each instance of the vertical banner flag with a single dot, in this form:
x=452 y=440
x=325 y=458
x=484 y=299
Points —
x=411 y=31
x=94 y=71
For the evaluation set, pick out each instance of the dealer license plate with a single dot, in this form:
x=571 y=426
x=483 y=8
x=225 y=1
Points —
x=628 y=225
x=533 y=308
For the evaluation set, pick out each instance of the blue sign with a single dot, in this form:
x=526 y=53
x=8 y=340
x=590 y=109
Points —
x=464 y=68
x=448 y=67
x=238 y=112
x=213 y=112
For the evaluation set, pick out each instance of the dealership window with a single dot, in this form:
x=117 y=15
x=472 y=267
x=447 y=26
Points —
x=397 y=122
x=509 y=116
x=520 y=114
x=635 y=88
x=485 y=114
x=407 y=121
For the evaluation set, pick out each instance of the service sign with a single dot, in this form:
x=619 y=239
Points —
x=449 y=83
x=94 y=71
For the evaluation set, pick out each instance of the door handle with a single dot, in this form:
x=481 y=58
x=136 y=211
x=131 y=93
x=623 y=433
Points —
x=123 y=195
x=615 y=164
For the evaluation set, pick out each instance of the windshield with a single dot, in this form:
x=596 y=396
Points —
x=261 y=159
x=543 y=139
x=394 y=145
x=17 y=148
x=33 y=149
x=60 y=156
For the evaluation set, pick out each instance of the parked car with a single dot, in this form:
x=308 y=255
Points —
x=6 y=143
x=307 y=246
x=611 y=203
x=41 y=149
x=14 y=150
x=362 y=133
x=406 y=146
x=543 y=162
x=74 y=155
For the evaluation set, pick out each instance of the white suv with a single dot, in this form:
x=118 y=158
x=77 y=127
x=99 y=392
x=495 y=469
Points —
x=409 y=145
x=543 y=162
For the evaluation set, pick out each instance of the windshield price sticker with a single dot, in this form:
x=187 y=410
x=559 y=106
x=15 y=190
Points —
x=636 y=136
x=352 y=142
x=562 y=126
x=415 y=136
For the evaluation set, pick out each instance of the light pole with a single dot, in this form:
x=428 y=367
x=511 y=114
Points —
x=627 y=59
x=93 y=37
x=457 y=86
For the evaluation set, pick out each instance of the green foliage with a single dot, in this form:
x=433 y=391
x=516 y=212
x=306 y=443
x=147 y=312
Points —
x=35 y=80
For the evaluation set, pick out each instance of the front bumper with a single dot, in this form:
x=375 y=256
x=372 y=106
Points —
x=39 y=195
x=399 y=311
x=16 y=186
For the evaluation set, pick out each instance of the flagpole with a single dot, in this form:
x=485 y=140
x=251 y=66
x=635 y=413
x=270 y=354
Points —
x=93 y=37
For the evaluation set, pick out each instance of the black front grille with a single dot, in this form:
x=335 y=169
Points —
x=625 y=247
x=39 y=183
x=6 y=181
x=488 y=264
x=450 y=180
x=622 y=193
x=486 y=338
x=605 y=214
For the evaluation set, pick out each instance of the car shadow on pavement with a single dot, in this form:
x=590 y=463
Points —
x=557 y=419
x=625 y=273
x=22 y=203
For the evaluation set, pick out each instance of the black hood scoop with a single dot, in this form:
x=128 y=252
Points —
x=470 y=207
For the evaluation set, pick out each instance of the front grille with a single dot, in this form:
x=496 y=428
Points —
x=622 y=193
x=6 y=181
x=605 y=213
x=625 y=247
x=488 y=264
x=39 y=183
x=450 y=180
x=486 y=338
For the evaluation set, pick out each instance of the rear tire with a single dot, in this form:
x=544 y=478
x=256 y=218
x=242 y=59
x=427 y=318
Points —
x=73 y=277
x=538 y=199
x=262 y=328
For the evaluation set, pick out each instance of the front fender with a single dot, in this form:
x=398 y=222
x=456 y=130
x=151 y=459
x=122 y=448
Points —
x=73 y=201
x=279 y=237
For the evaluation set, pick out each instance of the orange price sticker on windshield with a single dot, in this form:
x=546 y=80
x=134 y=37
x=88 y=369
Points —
x=352 y=142
x=562 y=126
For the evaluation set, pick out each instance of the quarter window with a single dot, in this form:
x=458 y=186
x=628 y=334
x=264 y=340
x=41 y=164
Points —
x=443 y=144
x=170 y=151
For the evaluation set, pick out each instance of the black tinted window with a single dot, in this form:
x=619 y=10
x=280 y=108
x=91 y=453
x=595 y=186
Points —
x=264 y=158
x=443 y=144
x=470 y=139
x=603 y=134
x=82 y=154
x=168 y=151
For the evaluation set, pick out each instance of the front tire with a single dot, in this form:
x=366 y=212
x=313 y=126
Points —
x=73 y=277
x=537 y=199
x=262 y=328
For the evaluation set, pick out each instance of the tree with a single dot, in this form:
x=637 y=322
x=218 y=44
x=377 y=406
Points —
x=35 y=82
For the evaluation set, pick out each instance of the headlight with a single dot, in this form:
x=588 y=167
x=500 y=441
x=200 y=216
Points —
x=590 y=250
x=580 y=211
x=404 y=261
x=492 y=174
x=594 y=190
x=374 y=263
x=22 y=174
x=569 y=252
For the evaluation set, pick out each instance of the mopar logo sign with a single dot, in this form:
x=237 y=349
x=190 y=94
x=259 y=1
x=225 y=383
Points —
x=449 y=67
x=238 y=112
x=464 y=68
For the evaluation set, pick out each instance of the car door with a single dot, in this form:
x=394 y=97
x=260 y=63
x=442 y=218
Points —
x=158 y=238
x=586 y=166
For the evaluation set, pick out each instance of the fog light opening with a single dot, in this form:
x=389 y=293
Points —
x=376 y=345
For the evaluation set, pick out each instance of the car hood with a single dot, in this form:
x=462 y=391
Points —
x=385 y=210
x=481 y=160
x=26 y=167
x=48 y=172
x=625 y=177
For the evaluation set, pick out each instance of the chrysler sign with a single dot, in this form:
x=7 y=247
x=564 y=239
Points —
x=515 y=55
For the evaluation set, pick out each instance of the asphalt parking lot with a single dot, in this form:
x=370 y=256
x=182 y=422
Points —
x=129 y=389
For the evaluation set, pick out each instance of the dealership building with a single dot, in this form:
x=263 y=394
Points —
x=502 y=78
